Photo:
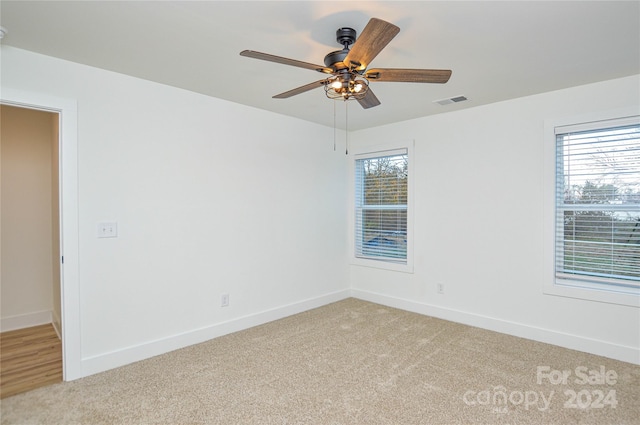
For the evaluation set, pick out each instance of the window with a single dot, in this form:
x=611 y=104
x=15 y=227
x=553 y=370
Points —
x=381 y=206
x=597 y=198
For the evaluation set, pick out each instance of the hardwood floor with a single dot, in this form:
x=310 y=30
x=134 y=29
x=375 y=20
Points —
x=29 y=358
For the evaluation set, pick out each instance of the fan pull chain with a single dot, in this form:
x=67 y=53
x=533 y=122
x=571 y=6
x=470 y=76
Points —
x=334 y=126
x=346 y=127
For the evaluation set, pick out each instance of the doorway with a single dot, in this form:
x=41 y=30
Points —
x=30 y=218
x=65 y=110
x=30 y=224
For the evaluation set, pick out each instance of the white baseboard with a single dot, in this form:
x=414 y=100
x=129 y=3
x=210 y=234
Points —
x=57 y=324
x=149 y=349
x=574 y=342
x=25 y=321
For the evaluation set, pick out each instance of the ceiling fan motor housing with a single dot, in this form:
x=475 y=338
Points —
x=334 y=59
x=346 y=37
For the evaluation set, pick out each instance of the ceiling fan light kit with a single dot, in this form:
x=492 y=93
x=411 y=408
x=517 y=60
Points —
x=349 y=78
x=346 y=87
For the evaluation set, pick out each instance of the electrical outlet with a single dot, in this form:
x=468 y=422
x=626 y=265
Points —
x=440 y=287
x=224 y=300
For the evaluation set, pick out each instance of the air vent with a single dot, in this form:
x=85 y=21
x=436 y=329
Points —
x=450 y=100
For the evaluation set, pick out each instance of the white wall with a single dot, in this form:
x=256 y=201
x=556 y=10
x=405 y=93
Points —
x=213 y=197
x=27 y=289
x=479 y=177
x=210 y=197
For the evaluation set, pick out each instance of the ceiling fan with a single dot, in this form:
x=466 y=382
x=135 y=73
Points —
x=348 y=76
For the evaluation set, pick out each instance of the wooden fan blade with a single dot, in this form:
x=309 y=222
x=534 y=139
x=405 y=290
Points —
x=439 y=76
x=369 y=100
x=285 y=61
x=300 y=89
x=374 y=37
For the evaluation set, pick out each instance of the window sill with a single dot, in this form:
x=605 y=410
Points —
x=384 y=265
x=575 y=289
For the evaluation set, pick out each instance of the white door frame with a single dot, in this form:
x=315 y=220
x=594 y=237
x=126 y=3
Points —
x=69 y=232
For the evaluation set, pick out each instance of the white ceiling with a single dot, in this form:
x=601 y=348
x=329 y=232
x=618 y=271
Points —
x=497 y=50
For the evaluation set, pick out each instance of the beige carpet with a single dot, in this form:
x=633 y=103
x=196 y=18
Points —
x=350 y=362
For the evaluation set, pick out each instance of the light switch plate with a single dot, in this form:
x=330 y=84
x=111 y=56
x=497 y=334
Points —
x=108 y=229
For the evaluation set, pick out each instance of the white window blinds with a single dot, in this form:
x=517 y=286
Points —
x=381 y=206
x=598 y=204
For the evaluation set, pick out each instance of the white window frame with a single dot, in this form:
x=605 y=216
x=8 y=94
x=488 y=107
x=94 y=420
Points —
x=372 y=151
x=569 y=287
